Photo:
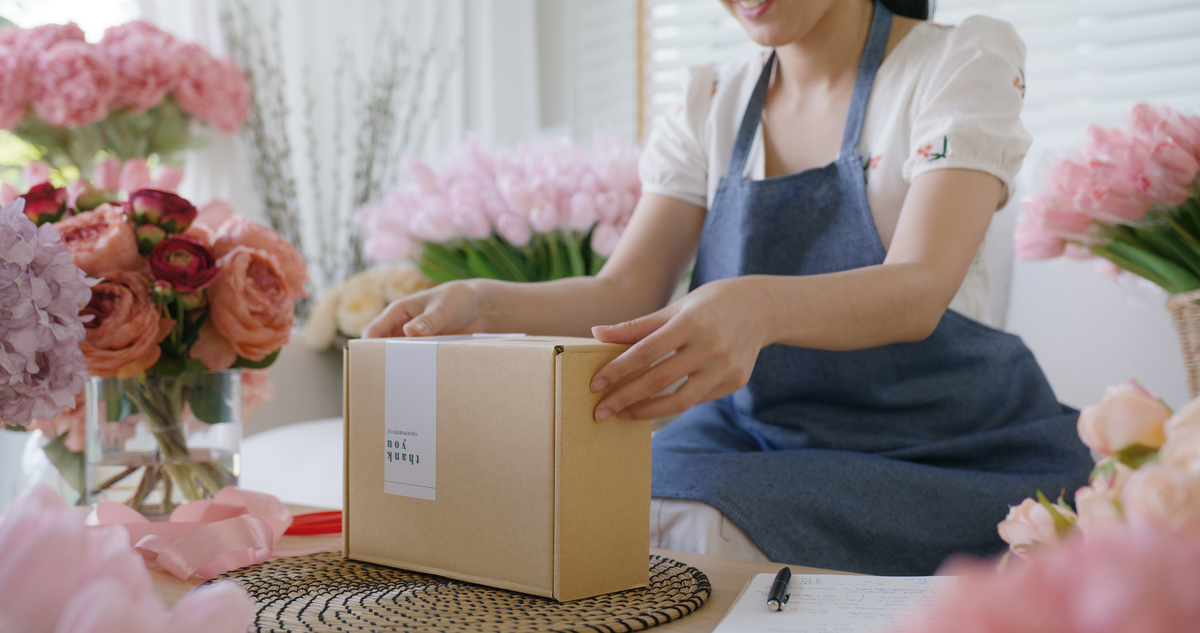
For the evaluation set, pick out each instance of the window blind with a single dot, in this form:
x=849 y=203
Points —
x=601 y=68
x=677 y=34
x=1090 y=61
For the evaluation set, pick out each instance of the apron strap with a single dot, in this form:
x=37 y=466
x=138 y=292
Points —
x=876 y=46
x=877 y=39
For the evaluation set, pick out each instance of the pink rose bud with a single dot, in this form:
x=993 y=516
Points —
x=1098 y=502
x=1030 y=524
x=89 y=199
x=1128 y=415
x=172 y=213
x=162 y=292
x=45 y=203
x=168 y=180
x=148 y=235
x=7 y=193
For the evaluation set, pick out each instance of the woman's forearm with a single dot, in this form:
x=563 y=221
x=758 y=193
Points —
x=856 y=309
x=566 y=307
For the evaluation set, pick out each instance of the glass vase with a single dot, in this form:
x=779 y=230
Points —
x=156 y=441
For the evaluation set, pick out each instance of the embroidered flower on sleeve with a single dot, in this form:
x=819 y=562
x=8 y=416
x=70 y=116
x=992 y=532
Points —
x=1019 y=82
x=714 y=89
x=869 y=164
x=926 y=151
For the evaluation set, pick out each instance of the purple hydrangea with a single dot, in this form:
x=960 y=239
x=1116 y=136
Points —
x=41 y=294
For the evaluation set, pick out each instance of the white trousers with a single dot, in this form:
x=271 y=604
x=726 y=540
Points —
x=693 y=526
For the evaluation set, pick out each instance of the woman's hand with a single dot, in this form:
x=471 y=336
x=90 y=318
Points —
x=715 y=332
x=455 y=307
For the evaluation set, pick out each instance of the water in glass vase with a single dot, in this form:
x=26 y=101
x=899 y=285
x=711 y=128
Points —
x=156 y=441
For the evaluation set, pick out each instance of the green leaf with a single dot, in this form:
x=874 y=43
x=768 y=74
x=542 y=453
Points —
x=209 y=401
x=433 y=272
x=1135 y=455
x=170 y=365
x=71 y=465
x=1062 y=524
x=15 y=428
x=1175 y=275
x=245 y=363
x=479 y=266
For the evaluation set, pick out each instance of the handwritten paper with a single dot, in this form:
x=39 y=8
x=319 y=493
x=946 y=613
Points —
x=835 y=604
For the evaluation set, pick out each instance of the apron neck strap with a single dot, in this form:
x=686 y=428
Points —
x=873 y=51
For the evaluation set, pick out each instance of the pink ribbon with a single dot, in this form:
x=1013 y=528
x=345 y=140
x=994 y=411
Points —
x=206 y=538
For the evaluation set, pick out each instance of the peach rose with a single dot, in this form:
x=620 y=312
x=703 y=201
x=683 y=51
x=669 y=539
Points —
x=238 y=231
x=1165 y=497
x=126 y=328
x=1182 y=450
x=1030 y=524
x=1127 y=415
x=101 y=239
x=250 y=310
x=1098 y=502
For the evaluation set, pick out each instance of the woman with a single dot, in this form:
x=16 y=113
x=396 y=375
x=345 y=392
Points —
x=835 y=409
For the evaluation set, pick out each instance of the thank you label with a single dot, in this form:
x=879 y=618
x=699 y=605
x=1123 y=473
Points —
x=410 y=419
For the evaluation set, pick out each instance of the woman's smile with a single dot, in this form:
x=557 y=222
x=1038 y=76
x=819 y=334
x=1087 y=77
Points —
x=752 y=9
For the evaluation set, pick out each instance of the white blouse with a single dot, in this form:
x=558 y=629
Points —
x=944 y=97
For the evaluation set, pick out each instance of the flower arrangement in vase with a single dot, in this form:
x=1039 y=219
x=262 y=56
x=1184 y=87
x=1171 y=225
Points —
x=134 y=94
x=180 y=296
x=1132 y=198
x=548 y=210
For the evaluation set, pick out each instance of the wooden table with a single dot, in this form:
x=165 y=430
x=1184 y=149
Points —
x=728 y=576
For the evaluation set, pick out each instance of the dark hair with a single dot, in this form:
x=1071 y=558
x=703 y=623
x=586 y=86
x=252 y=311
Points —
x=918 y=9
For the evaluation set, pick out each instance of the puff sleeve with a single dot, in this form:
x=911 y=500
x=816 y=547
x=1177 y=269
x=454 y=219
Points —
x=967 y=104
x=673 y=162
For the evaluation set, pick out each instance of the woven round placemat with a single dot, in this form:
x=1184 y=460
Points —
x=323 y=592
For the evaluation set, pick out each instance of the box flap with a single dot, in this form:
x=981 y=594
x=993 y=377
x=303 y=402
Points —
x=602 y=485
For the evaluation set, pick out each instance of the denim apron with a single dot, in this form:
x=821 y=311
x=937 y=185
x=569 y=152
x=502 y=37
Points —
x=883 y=460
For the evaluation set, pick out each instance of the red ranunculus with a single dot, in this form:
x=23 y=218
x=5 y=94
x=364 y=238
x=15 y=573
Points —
x=151 y=206
x=44 y=203
x=184 y=261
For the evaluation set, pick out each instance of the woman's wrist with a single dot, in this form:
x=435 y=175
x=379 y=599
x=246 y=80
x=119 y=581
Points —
x=761 y=305
x=485 y=302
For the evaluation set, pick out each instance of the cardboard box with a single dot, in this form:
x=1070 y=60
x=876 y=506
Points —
x=478 y=459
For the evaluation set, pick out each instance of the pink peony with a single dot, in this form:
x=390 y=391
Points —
x=100 y=240
x=213 y=90
x=250 y=310
x=75 y=85
x=1128 y=415
x=1029 y=524
x=41 y=292
x=238 y=231
x=42 y=38
x=59 y=575
x=146 y=61
x=126 y=326
x=1127 y=580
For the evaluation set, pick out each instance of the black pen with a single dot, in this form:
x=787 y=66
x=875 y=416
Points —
x=779 y=595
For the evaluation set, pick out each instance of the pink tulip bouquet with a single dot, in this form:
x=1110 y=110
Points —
x=134 y=94
x=176 y=293
x=1148 y=474
x=1130 y=196
x=548 y=210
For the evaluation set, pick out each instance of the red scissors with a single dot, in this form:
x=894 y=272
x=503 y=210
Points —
x=311 y=523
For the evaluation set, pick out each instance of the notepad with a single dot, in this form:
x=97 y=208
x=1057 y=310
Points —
x=835 y=604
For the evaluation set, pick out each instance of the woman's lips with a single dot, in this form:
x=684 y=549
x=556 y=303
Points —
x=751 y=9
